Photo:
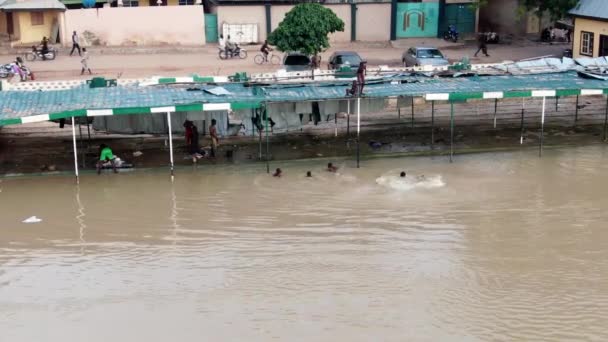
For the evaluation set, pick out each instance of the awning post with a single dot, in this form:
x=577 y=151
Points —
x=451 y=131
x=358 y=128
x=75 y=151
x=432 y=124
x=576 y=112
x=348 y=118
x=267 y=144
x=495 y=111
x=170 y=145
x=606 y=121
x=521 y=135
x=412 y=112
x=542 y=128
x=81 y=142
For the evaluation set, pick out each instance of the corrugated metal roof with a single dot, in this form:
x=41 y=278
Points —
x=591 y=8
x=29 y=5
x=15 y=105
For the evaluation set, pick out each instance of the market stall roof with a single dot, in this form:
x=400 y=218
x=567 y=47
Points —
x=17 y=107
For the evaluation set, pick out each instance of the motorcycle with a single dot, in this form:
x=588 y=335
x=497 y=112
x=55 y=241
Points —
x=451 y=34
x=36 y=53
x=8 y=71
x=236 y=52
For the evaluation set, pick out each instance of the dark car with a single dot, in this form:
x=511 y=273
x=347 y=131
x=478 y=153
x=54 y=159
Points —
x=344 y=58
x=296 y=61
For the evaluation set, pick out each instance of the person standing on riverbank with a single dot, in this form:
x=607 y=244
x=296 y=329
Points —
x=215 y=141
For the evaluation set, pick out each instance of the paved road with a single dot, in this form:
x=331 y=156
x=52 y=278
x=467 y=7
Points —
x=169 y=61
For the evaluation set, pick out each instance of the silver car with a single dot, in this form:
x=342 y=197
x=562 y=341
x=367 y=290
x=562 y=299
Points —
x=419 y=56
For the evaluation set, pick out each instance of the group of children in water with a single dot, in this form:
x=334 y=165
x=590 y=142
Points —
x=332 y=168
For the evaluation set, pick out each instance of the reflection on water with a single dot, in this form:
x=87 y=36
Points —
x=492 y=247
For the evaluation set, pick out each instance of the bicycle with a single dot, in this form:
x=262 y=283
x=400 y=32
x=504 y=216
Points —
x=272 y=59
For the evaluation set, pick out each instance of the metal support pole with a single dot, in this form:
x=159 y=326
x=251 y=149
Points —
x=267 y=144
x=542 y=129
x=451 y=131
x=170 y=144
x=521 y=136
x=75 y=151
x=358 y=128
x=495 y=111
x=252 y=126
x=336 y=124
x=259 y=145
x=81 y=142
x=398 y=112
x=557 y=103
x=432 y=124
x=88 y=131
x=576 y=112
x=348 y=118
x=606 y=122
x=412 y=112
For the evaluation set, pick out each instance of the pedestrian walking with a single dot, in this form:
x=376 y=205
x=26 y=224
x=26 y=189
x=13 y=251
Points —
x=75 y=44
x=482 y=44
x=85 y=61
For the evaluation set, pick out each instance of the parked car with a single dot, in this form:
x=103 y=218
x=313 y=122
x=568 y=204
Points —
x=296 y=61
x=419 y=56
x=343 y=58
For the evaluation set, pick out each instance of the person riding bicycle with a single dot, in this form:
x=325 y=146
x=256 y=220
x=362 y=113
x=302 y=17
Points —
x=265 y=49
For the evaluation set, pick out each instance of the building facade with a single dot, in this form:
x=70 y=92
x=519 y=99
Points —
x=590 y=28
x=27 y=22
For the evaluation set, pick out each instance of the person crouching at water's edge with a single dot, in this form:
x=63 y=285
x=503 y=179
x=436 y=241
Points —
x=106 y=156
x=331 y=167
x=277 y=173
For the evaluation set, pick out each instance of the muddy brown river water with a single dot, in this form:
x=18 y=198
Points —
x=501 y=246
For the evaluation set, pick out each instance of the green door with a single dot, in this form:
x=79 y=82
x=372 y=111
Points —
x=211 y=35
x=417 y=19
x=460 y=15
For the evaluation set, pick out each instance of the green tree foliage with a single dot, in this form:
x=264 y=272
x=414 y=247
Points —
x=305 y=29
x=556 y=8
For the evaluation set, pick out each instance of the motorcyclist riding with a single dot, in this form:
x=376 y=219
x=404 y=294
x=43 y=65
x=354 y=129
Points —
x=45 y=47
x=452 y=33
x=230 y=47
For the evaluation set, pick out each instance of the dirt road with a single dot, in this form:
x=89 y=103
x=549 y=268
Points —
x=179 y=61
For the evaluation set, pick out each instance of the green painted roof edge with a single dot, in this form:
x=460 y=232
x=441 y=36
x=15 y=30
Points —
x=458 y=96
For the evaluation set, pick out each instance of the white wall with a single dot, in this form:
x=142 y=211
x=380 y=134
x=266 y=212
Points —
x=255 y=14
x=373 y=22
x=129 y=26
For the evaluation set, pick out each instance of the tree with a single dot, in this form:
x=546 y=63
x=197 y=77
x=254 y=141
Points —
x=557 y=9
x=305 y=29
